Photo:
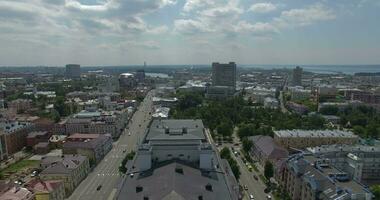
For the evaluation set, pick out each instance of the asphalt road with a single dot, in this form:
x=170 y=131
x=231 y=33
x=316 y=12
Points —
x=106 y=173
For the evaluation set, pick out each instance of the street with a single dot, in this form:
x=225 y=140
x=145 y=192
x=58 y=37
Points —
x=106 y=173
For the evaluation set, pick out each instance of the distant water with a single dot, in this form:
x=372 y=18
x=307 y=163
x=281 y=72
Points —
x=159 y=75
x=324 y=69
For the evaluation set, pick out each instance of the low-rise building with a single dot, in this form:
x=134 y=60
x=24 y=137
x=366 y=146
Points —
x=300 y=139
x=265 y=149
x=161 y=113
x=17 y=193
x=360 y=162
x=307 y=177
x=165 y=102
x=48 y=190
x=270 y=102
x=94 y=146
x=297 y=94
x=20 y=104
x=71 y=169
x=97 y=122
x=219 y=92
x=297 y=108
x=36 y=137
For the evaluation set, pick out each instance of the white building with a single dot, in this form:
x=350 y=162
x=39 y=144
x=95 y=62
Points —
x=270 y=102
x=299 y=94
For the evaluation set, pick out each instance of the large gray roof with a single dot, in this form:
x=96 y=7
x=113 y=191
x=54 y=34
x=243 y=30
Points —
x=166 y=183
x=194 y=130
x=61 y=164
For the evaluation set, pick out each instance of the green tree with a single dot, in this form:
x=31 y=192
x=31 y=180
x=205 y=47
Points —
x=329 y=110
x=225 y=153
x=247 y=144
x=268 y=170
x=375 y=189
x=225 y=128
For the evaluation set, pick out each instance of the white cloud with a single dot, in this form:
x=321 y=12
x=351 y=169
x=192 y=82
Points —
x=191 y=5
x=263 y=7
x=306 y=16
x=257 y=28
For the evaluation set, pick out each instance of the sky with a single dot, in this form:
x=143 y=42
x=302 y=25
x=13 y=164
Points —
x=129 y=32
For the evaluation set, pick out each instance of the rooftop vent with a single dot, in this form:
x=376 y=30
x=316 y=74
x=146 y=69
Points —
x=209 y=187
x=146 y=198
x=179 y=170
x=139 y=189
x=184 y=130
x=200 y=197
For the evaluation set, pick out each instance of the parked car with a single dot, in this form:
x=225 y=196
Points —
x=245 y=187
x=251 y=197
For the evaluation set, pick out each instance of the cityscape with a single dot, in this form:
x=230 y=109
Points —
x=189 y=100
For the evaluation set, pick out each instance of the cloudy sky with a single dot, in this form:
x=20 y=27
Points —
x=127 y=32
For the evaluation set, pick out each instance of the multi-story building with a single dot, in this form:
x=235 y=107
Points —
x=48 y=190
x=297 y=76
x=97 y=122
x=20 y=104
x=73 y=71
x=140 y=75
x=127 y=81
x=14 y=135
x=297 y=94
x=36 y=137
x=360 y=162
x=258 y=94
x=17 y=193
x=224 y=74
x=178 y=152
x=265 y=149
x=71 y=169
x=307 y=177
x=297 y=108
x=270 y=102
x=300 y=139
x=94 y=146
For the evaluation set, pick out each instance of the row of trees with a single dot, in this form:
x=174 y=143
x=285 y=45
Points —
x=364 y=120
x=225 y=153
x=223 y=116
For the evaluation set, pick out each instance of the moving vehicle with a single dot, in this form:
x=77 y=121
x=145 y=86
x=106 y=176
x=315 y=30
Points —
x=245 y=187
x=251 y=197
x=99 y=187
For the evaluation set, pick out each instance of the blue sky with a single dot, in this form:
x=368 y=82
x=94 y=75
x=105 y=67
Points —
x=127 y=32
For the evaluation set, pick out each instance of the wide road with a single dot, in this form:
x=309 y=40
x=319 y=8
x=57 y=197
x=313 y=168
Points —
x=106 y=173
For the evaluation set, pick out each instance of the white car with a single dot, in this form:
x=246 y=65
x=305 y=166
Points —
x=269 y=197
x=251 y=197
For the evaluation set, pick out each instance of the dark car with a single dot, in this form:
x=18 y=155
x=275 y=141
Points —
x=267 y=190
x=99 y=187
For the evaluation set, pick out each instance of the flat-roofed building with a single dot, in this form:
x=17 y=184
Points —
x=94 y=146
x=307 y=177
x=361 y=162
x=300 y=139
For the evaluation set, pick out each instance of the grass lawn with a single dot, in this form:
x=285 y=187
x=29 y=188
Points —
x=20 y=166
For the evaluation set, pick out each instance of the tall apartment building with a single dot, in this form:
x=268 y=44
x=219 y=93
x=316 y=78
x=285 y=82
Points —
x=73 y=71
x=297 y=76
x=307 y=177
x=300 y=139
x=360 y=162
x=224 y=74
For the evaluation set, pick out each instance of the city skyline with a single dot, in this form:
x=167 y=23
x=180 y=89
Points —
x=114 y=32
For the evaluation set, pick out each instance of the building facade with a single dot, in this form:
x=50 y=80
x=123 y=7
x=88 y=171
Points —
x=73 y=71
x=306 y=177
x=71 y=169
x=297 y=76
x=361 y=162
x=300 y=139
x=224 y=74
